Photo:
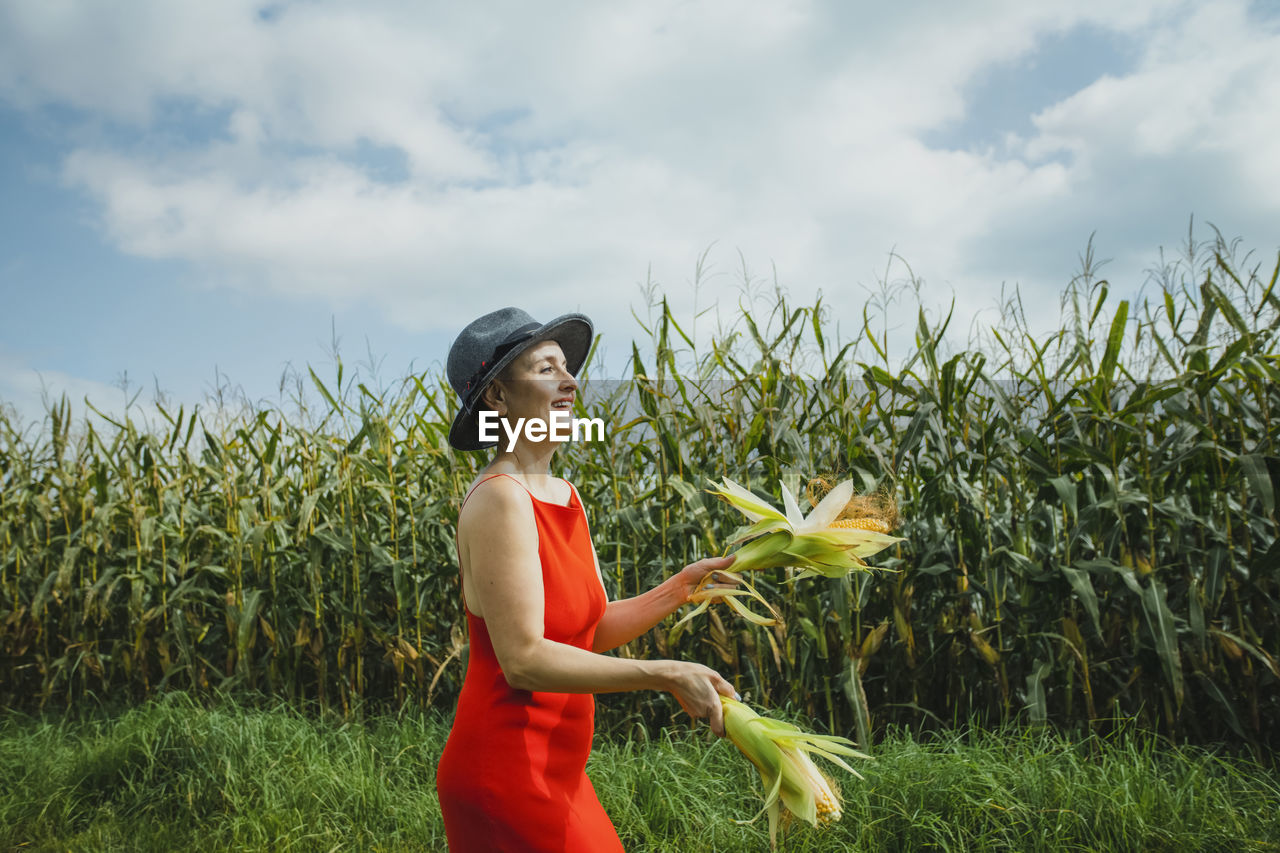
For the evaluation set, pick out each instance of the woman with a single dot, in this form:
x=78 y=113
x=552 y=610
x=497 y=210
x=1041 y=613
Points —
x=512 y=774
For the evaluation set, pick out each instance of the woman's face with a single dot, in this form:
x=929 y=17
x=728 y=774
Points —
x=536 y=384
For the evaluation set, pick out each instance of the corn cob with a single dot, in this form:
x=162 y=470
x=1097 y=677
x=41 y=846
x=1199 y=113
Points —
x=874 y=524
x=780 y=752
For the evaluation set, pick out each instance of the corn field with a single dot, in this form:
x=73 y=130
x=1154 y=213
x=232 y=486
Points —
x=1089 y=514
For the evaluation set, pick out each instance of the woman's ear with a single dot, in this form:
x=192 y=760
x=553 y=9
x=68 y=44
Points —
x=494 y=397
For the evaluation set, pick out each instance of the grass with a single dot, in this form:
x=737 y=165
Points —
x=175 y=775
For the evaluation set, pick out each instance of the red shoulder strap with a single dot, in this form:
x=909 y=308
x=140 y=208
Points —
x=485 y=480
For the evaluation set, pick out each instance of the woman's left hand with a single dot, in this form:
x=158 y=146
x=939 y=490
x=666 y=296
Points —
x=691 y=575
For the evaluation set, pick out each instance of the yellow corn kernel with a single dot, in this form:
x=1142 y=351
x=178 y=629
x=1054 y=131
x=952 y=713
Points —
x=873 y=524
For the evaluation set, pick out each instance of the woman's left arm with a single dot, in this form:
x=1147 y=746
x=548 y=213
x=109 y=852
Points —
x=628 y=618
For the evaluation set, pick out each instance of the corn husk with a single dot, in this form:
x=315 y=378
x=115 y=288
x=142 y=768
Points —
x=820 y=544
x=791 y=539
x=707 y=593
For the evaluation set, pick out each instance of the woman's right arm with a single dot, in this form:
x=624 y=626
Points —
x=499 y=538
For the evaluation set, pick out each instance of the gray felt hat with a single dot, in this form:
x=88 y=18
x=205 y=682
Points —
x=492 y=342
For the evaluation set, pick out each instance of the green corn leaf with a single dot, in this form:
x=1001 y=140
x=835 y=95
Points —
x=1115 y=340
x=1083 y=586
x=1164 y=634
x=1254 y=466
x=1037 y=706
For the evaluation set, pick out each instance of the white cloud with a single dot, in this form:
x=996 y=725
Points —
x=551 y=154
x=28 y=393
x=1204 y=86
x=1179 y=135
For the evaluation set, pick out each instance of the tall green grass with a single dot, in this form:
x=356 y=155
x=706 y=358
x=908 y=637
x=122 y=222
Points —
x=176 y=775
x=1090 y=518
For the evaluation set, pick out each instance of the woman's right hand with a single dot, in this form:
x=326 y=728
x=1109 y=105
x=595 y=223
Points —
x=697 y=688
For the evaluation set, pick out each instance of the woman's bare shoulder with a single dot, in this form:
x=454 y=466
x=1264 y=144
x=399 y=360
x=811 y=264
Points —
x=495 y=496
x=497 y=535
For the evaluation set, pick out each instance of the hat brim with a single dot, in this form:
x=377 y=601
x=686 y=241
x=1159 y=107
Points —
x=573 y=332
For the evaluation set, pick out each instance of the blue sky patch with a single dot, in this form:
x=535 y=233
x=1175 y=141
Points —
x=1001 y=99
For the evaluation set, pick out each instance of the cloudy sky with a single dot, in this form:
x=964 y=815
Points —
x=205 y=192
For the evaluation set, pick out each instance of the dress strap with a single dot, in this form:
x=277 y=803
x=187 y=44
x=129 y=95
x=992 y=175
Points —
x=536 y=499
x=485 y=480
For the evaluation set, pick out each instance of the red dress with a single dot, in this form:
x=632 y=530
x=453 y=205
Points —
x=512 y=776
